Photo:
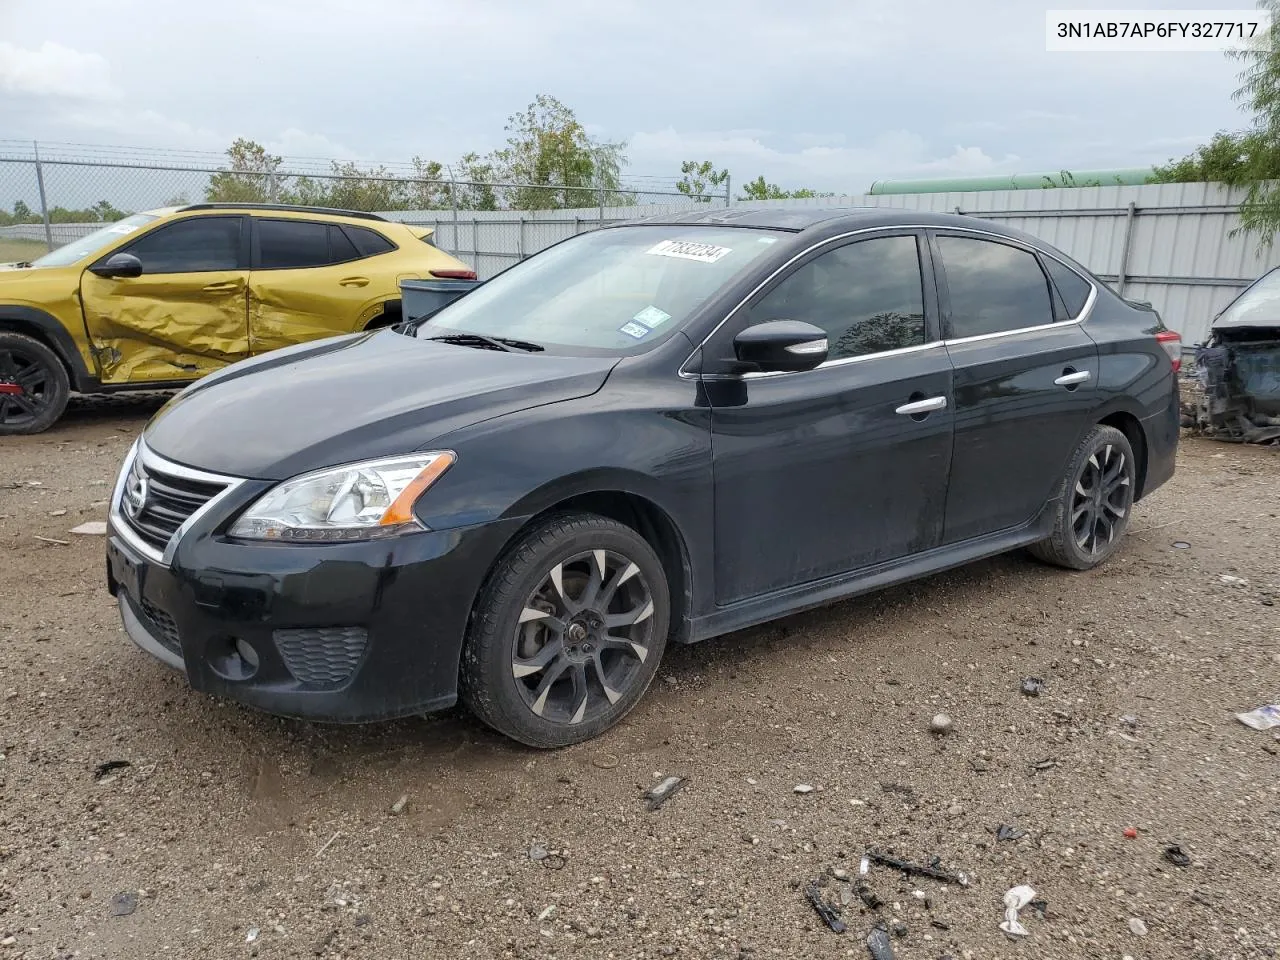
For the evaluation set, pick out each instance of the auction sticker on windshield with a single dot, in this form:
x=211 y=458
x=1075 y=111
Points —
x=652 y=317
x=688 y=250
x=633 y=329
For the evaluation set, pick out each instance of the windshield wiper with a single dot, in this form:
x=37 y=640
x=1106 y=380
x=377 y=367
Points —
x=505 y=344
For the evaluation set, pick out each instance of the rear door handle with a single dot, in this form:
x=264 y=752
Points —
x=1074 y=378
x=354 y=281
x=922 y=406
x=222 y=286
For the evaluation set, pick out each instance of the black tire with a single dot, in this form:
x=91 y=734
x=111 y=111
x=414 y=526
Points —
x=41 y=381
x=569 y=698
x=1094 y=502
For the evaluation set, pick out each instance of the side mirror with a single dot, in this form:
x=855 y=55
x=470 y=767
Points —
x=782 y=345
x=122 y=265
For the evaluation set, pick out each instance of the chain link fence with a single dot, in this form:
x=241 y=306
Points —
x=52 y=194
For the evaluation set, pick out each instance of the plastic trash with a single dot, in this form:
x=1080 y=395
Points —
x=664 y=791
x=1264 y=718
x=1014 y=900
x=878 y=945
x=829 y=914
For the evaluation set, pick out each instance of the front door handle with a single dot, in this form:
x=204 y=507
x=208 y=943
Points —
x=1073 y=378
x=918 y=407
x=354 y=281
x=224 y=286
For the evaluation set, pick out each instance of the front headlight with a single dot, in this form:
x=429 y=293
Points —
x=359 y=501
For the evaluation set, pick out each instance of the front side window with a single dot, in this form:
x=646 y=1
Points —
x=867 y=296
x=93 y=242
x=618 y=290
x=993 y=287
x=198 y=245
x=283 y=244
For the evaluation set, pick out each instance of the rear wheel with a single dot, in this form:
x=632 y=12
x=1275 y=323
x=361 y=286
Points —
x=1094 y=503
x=34 y=385
x=568 y=632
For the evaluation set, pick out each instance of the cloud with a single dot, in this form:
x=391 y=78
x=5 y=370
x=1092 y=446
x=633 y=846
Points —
x=293 y=142
x=52 y=70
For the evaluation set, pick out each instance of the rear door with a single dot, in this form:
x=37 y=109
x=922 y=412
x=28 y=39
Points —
x=1025 y=381
x=825 y=471
x=186 y=316
x=309 y=280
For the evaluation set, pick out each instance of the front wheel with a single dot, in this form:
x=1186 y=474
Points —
x=1094 y=503
x=34 y=385
x=567 y=633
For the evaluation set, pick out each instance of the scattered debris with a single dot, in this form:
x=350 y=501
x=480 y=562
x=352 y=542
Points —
x=1137 y=927
x=252 y=935
x=1181 y=545
x=868 y=896
x=1032 y=686
x=327 y=843
x=1014 y=900
x=899 y=929
x=940 y=725
x=1048 y=763
x=538 y=853
x=1130 y=720
x=900 y=788
x=91 y=528
x=1177 y=856
x=1131 y=833
x=1005 y=832
x=110 y=767
x=878 y=944
x=1041 y=906
x=803 y=788
x=829 y=914
x=664 y=791
x=546 y=914
x=1264 y=718
x=1233 y=581
x=939 y=925
x=123 y=904
x=606 y=761
x=864 y=866
x=914 y=869
x=397 y=808
x=58 y=513
x=61 y=543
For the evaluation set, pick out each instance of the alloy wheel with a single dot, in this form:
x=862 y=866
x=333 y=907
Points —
x=1101 y=500
x=26 y=387
x=583 y=636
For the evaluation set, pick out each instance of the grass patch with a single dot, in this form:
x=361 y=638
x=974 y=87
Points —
x=11 y=250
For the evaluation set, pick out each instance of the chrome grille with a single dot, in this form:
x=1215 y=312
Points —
x=154 y=502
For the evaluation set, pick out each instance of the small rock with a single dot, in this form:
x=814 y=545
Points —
x=1032 y=686
x=538 y=853
x=1130 y=721
x=1225 y=578
x=803 y=788
x=840 y=874
x=546 y=914
x=57 y=513
x=1137 y=927
x=252 y=935
x=979 y=765
x=92 y=528
x=8 y=941
x=397 y=808
x=955 y=810
x=123 y=904
x=940 y=725
x=1181 y=545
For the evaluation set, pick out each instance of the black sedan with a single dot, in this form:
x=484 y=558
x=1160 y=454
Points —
x=653 y=433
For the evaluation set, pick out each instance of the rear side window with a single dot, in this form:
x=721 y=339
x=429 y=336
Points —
x=369 y=242
x=1073 y=288
x=198 y=245
x=292 y=243
x=993 y=287
x=340 y=248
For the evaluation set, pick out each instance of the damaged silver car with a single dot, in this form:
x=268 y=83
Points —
x=1238 y=367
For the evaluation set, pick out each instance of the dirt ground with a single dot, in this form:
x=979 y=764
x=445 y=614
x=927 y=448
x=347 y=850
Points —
x=242 y=835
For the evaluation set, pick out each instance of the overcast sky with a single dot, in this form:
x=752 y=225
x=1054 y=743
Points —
x=830 y=94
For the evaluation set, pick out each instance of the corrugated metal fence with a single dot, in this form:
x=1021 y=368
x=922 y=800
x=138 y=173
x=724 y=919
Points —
x=1170 y=244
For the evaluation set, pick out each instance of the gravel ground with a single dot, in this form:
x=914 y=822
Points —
x=234 y=834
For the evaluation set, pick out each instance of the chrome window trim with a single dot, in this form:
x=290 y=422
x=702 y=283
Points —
x=153 y=460
x=889 y=228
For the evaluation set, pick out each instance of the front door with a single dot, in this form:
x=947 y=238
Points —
x=186 y=316
x=308 y=281
x=845 y=466
x=1025 y=382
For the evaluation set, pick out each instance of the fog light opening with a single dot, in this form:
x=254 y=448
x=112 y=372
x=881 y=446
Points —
x=235 y=660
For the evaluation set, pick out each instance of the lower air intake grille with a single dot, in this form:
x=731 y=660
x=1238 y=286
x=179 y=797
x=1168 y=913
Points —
x=162 y=626
x=323 y=656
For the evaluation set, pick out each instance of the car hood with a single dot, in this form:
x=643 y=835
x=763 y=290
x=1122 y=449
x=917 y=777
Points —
x=354 y=398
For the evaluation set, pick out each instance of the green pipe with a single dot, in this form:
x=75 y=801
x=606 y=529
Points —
x=1128 y=176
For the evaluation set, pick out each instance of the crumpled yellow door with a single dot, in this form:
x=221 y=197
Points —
x=295 y=305
x=166 y=326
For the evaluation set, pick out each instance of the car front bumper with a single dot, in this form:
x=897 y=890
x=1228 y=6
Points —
x=346 y=632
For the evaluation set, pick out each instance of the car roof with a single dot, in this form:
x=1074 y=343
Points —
x=285 y=208
x=798 y=219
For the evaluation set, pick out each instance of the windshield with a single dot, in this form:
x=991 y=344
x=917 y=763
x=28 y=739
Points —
x=1259 y=306
x=93 y=242
x=617 y=290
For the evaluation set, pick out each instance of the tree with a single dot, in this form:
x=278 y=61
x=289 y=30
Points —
x=249 y=178
x=1250 y=157
x=759 y=189
x=556 y=163
x=104 y=211
x=699 y=179
x=22 y=213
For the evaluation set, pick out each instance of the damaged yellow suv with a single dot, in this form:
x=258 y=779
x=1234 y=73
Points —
x=162 y=298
